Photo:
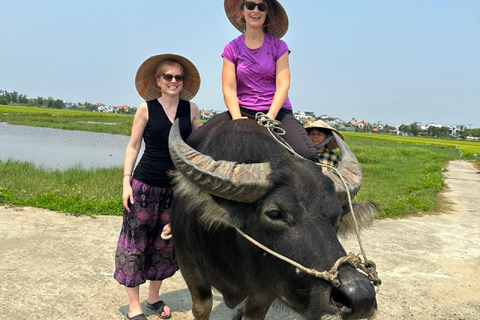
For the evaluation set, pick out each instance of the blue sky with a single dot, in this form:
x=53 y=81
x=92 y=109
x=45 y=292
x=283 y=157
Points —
x=394 y=61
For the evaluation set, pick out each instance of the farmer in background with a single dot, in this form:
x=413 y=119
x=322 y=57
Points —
x=321 y=134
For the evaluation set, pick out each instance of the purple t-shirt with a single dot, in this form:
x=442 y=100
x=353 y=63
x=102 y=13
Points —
x=256 y=71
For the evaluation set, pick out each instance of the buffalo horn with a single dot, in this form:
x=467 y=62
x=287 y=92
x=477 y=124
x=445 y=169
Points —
x=350 y=170
x=225 y=179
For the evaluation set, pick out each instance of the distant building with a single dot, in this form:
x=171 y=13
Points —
x=304 y=116
x=377 y=127
x=335 y=122
x=205 y=114
x=107 y=109
x=472 y=138
x=360 y=124
x=123 y=109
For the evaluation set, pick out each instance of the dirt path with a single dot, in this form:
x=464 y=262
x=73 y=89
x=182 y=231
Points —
x=55 y=266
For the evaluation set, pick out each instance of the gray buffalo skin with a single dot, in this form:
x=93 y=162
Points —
x=296 y=212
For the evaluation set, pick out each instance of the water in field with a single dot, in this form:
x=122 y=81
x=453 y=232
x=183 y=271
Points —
x=61 y=149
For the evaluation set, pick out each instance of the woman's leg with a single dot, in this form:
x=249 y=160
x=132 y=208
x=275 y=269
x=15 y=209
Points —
x=154 y=291
x=296 y=136
x=129 y=256
x=140 y=248
x=135 y=308
x=198 y=135
x=160 y=262
x=154 y=296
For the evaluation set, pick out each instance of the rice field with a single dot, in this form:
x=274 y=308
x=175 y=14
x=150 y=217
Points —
x=465 y=149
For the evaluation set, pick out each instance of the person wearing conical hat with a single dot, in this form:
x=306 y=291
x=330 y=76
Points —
x=256 y=72
x=167 y=82
x=321 y=134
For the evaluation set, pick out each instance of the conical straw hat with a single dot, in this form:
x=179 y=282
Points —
x=319 y=124
x=146 y=82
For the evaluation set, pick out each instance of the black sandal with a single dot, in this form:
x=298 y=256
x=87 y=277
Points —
x=158 y=307
x=140 y=316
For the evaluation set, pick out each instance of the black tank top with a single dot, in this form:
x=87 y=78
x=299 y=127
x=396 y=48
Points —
x=156 y=161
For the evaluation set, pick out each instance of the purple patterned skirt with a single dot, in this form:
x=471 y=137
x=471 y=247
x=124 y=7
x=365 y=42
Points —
x=141 y=253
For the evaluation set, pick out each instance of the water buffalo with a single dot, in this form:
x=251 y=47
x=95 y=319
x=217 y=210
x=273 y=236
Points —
x=242 y=178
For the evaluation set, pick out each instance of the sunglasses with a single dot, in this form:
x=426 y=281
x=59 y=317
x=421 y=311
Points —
x=251 y=6
x=169 y=77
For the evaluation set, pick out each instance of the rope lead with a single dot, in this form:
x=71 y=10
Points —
x=367 y=266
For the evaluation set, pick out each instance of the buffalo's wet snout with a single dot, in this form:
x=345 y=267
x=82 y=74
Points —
x=355 y=298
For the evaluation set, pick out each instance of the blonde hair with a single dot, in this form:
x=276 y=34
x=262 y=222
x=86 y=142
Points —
x=161 y=67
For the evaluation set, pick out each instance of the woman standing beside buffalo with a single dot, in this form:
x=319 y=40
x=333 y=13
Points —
x=256 y=72
x=166 y=82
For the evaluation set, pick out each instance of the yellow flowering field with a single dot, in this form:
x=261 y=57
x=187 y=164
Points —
x=466 y=149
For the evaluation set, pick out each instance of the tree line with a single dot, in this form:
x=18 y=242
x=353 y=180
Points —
x=415 y=129
x=14 y=98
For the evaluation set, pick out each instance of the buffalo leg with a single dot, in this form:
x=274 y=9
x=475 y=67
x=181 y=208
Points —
x=202 y=303
x=256 y=307
x=200 y=290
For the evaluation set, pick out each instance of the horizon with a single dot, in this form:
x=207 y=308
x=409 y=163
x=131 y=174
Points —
x=323 y=116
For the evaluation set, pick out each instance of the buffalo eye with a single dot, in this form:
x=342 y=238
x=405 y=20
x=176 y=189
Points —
x=274 y=215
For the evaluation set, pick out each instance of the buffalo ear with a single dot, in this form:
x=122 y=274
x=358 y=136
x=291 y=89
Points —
x=195 y=200
x=364 y=213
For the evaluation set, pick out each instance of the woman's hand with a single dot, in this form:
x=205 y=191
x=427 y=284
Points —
x=271 y=115
x=127 y=196
x=263 y=119
x=239 y=117
x=166 y=232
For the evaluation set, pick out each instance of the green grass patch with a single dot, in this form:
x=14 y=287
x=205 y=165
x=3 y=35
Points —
x=402 y=178
x=76 y=190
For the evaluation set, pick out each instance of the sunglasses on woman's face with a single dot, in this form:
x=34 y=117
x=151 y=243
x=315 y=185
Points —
x=169 y=77
x=251 y=6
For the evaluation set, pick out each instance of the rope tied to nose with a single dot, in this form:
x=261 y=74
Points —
x=359 y=261
x=331 y=275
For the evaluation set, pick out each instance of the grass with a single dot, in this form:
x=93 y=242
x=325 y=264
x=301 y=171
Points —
x=67 y=119
x=76 y=190
x=402 y=178
x=403 y=175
